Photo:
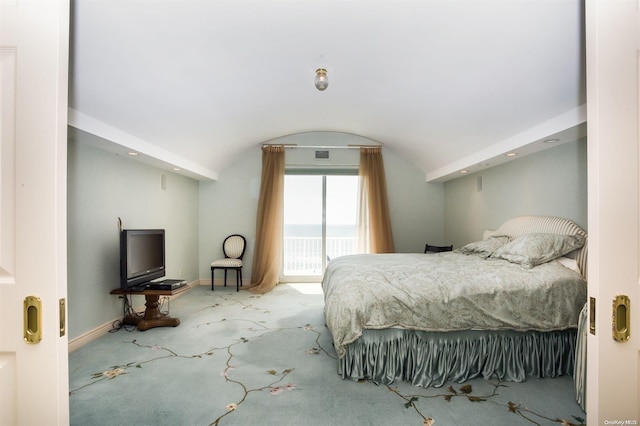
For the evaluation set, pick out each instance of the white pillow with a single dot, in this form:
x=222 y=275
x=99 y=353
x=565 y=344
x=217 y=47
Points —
x=485 y=248
x=569 y=263
x=535 y=249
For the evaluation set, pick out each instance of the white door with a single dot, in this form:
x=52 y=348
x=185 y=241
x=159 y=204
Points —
x=34 y=46
x=612 y=29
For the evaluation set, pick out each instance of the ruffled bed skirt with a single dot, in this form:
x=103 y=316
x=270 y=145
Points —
x=430 y=359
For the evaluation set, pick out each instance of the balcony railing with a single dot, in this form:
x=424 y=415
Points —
x=303 y=255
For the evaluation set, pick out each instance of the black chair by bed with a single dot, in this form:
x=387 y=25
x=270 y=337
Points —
x=437 y=249
x=233 y=248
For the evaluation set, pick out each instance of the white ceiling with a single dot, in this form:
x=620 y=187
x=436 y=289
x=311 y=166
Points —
x=449 y=84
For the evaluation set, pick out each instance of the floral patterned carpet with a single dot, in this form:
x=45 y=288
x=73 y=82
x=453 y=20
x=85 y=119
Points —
x=243 y=359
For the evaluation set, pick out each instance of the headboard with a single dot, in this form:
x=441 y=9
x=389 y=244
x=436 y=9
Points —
x=522 y=225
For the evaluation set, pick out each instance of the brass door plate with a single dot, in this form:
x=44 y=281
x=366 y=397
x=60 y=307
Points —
x=621 y=318
x=32 y=319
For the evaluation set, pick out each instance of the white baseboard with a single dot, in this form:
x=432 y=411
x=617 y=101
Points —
x=100 y=331
x=91 y=335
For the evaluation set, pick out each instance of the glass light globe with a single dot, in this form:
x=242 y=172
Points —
x=321 y=81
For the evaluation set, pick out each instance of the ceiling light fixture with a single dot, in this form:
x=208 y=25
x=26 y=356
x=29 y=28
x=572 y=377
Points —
x=132 y=153
x=511 y=154
x=321 y=81
x=551 y=140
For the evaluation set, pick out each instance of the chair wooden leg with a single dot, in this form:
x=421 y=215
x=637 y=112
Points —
x=238 y=277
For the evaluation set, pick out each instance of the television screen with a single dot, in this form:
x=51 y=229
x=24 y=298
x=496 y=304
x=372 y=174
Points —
x=142 y=256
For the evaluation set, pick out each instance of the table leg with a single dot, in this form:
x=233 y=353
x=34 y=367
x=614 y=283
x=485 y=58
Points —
x=152 y=316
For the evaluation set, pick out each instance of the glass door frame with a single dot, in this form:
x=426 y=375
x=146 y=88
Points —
x=324 y=173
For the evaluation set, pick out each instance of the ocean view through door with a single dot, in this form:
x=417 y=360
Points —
x=319 y=223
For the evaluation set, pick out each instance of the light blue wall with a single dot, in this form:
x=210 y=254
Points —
x=551 y=182
x=417 y=207
x=229 y=204
x=102 y=187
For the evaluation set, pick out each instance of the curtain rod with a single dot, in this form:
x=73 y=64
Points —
x=322 y=146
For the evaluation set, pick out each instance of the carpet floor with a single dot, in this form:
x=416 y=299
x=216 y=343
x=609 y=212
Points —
x=243 y=359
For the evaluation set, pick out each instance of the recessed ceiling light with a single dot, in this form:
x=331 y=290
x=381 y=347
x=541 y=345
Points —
x=464 y=171
x=133 y=154
x=511 y=154
x=177 y=169
x=551 y=140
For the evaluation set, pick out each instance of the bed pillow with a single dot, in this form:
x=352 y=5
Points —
x=535 y=249
x=485 y=248
x=569 y=264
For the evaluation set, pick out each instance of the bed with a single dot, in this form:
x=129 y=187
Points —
x=504 y=307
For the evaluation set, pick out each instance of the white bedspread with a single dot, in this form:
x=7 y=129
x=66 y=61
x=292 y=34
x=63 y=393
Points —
x=447 y=291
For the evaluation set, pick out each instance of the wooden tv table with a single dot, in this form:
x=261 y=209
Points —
x=152 y=315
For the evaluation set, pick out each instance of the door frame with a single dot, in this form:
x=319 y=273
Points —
x=34 y=379
x=324 y=173
x=612 y=30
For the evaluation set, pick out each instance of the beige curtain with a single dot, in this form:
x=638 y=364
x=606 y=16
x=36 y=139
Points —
x=374 y=223
x=267 y=256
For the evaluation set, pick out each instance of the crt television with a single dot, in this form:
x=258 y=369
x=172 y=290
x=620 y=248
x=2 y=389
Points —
x=142 y=256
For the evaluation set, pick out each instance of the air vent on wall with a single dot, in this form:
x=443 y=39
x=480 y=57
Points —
x=322 y=155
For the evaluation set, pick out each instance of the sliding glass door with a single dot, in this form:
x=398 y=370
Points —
x=319 y=223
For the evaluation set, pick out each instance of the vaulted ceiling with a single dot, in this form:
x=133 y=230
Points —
x=448 y=84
